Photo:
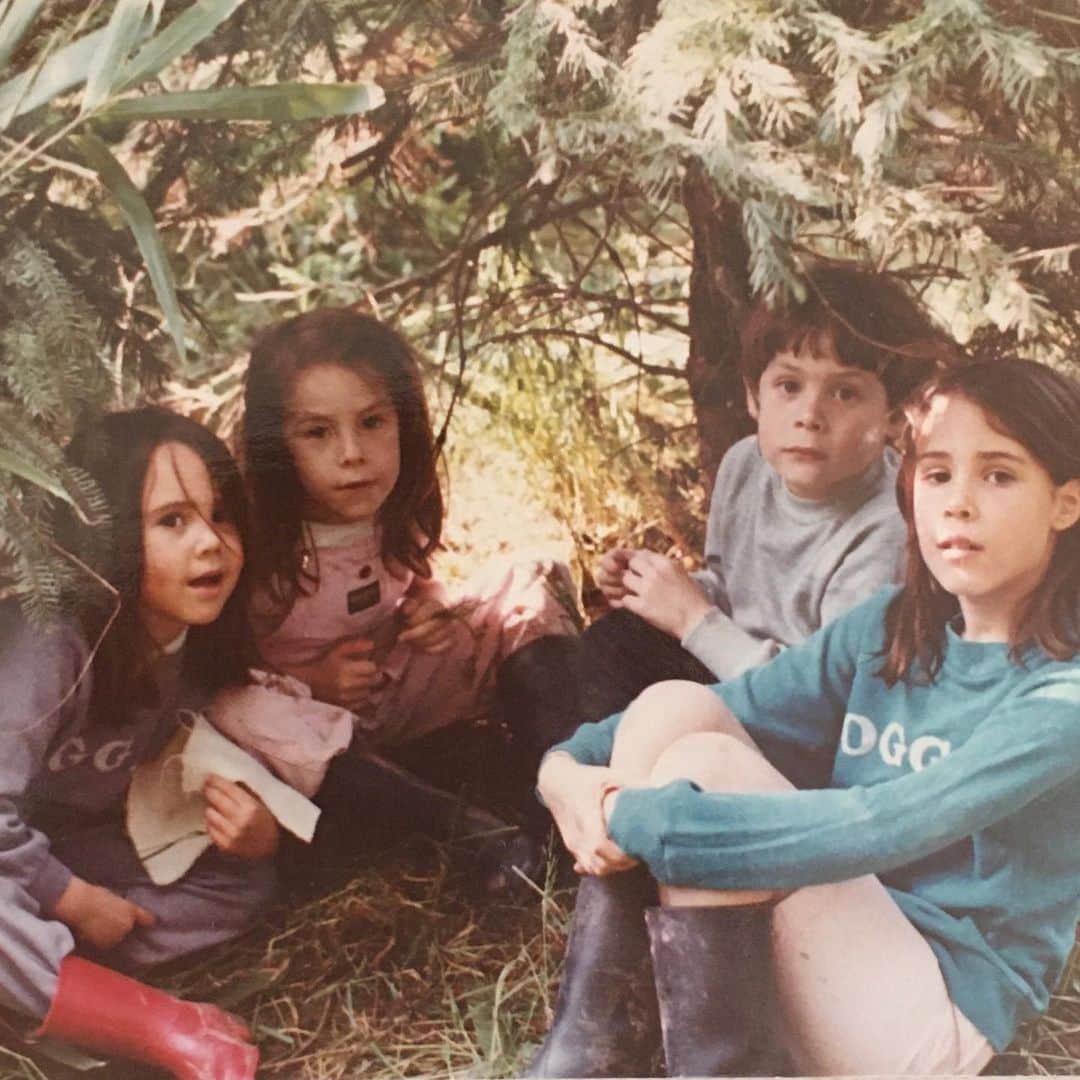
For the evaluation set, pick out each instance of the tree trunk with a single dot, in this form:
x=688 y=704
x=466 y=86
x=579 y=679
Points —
x=719 y=296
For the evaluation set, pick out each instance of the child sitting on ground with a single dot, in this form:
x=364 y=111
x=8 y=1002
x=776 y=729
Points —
x=341 y=463
x=803 y=521
x=161 y=628
x=908 y=918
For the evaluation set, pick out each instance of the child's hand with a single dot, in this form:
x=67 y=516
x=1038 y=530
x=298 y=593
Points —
x=572 y=794
x=97 y=916
x=238 y=821
x=345 y=676
x=429 y=625
x=660 y=591
x=609 y=575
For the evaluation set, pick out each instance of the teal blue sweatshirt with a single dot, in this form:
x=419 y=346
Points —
x=962 y=796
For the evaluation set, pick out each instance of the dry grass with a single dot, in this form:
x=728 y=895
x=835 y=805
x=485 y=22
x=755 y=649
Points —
x=398 y=971
x=395 y=971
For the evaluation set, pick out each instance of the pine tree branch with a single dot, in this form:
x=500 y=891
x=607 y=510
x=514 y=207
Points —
x=581 y=335
x=491 y=239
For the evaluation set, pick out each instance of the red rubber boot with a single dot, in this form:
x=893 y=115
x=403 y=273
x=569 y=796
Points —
x=102 y=1010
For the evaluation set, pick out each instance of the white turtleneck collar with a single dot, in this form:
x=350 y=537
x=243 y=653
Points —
x=325 y=536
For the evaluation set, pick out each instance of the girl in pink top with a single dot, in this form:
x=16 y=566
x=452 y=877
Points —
x=341 y=464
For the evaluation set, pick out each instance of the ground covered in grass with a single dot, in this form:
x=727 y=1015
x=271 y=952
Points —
x=400 y=969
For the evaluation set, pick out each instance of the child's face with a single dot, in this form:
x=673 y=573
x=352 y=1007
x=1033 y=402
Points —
x=342 y=430
x=192 y=555
x=987 y=514
x=820 y=422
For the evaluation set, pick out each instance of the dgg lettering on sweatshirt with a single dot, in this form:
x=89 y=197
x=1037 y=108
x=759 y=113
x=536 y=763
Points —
x=107 y=757
x=860 y=736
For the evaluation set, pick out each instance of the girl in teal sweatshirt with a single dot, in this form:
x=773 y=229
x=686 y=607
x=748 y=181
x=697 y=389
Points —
x=908 y=917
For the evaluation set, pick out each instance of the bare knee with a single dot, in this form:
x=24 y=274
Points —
x=722 y=763
x=660 y=715
x=717 y=761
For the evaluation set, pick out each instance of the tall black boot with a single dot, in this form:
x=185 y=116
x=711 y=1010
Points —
x=536 y=691
x=620 y=655
x=364 y=792
x=606 y=1022
x=713 y=977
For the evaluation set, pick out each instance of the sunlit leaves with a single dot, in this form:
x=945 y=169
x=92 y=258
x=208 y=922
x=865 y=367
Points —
x=888 y=136
x=112 y=53
x=179 y=37
x=282 y=103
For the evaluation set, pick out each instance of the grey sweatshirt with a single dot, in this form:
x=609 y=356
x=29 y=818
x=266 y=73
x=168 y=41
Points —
x=779 y=567
x=55 y=766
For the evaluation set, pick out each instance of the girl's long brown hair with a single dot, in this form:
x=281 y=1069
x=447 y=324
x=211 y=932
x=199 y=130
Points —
x=1039 y=408
x=115 y=449
x=411 y=518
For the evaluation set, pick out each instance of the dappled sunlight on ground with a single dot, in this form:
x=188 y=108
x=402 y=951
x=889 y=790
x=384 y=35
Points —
x=494 y=512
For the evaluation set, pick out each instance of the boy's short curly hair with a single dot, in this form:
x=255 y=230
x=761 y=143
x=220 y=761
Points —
x=871 y=320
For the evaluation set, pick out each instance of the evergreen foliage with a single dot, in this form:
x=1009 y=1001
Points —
x=937 y=139
x=565 y=203
x=79 y=244
x=51 y=337
x=521 y=204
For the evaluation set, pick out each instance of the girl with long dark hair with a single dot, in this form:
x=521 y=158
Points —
x=908 y=917
x=82 y=703
x=341 y=462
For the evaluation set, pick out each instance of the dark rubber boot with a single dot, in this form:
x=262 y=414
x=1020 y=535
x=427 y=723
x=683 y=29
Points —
x=606 y=1022
x=362 y=789
x=536 y=690
x=712 y=969
x=417 y=804
x=621 y=655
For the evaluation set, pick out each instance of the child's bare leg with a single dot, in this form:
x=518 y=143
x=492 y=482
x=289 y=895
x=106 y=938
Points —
x=835 y=949
x=860 y=991
x=659 y=717
x=721 y=761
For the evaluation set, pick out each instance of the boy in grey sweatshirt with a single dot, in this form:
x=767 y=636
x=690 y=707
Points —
x=803 y=522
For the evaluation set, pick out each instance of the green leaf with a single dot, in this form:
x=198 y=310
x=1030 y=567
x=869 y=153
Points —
x=67 y=67
x=280 y=103
x=141 y=222
x=14 y=24
x=182 y=34
x=11 y=463
x=120 y=35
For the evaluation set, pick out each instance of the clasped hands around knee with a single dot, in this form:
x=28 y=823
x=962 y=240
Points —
x=673 y=730
x=573 y=794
